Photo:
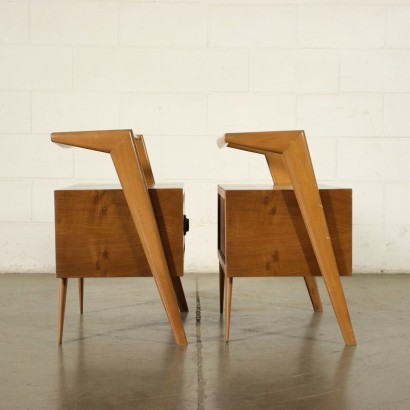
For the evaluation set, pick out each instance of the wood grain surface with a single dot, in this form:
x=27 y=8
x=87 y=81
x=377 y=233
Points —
x=96 y=237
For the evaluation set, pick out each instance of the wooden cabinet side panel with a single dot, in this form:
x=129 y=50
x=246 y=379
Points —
x=266 y=235
x=96 y=237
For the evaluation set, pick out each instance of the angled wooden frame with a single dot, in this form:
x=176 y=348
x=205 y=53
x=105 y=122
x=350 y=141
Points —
x=134 y=172
x=289 y=162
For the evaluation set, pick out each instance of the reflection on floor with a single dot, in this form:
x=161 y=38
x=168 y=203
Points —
x=121 y=353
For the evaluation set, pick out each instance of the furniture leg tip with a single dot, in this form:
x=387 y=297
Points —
x=182 y=341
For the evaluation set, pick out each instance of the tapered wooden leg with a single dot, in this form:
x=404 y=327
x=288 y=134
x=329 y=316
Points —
x=179 y=293
x=300 y=169
x=132 y=180
x=61 y=310
x=81 y=293
x=221 y=288
x=337 y=297
x=313 y=290
x=228 y=302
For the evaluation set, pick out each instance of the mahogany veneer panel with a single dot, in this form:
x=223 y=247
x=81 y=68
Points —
x=96 y=236
x=262 y=232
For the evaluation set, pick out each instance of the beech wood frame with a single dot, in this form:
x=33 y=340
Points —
x=134 y=172
x=289 y=163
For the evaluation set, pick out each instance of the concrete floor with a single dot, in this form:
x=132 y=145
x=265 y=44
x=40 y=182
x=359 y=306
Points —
x=121 y=354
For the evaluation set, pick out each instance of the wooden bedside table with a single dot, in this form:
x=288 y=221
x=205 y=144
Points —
x=135 y=231
x=291 y=228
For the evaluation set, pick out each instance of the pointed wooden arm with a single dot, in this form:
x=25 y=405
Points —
x=126 y=158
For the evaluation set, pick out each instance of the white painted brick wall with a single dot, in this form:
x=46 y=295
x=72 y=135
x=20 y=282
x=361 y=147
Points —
x=206 y=70
x=18 y=193
x=117 y=68
x=384 y=71
x=27 y=67
x=185 y=72
x=398 y=27
x=73 y=23
x=14 y=28
x=396 y=118
x=74 y=110
x=337 y=26
x=295 y=71
x=164 y=114
x=355 y=115
x=252 y=26
x=15 y=112
x=163 y=25
x=250 y=112
x=32 y=156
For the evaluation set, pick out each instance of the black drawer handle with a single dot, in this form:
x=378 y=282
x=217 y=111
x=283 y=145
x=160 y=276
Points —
x=186 y=225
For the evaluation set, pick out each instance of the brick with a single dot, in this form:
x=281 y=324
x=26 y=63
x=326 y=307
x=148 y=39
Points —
x=397 y=255
x=74 y=111
x=201 y=242
x=252 y=26
x=43 y=197
x=333 y=26
x=294 y=71
x=33 y=156
x=397 y=204
x=15 y=112
x=93 y=165
x=379 y=2
x=166 y=114
x=324 y=159
x=197 y=202
x=368 y=202
x=17 y=207
x=74 y=23
x=29 y=247
x=398 y=27
x=13 y=23
x=250 y=112
x=190 y=158
x=166 y=25
x=340 y=115
x=375 y=71
x=120 y=69
x=35 y=68
x=155 y=154
x=373 y=159
x=368 y=249
x=206 y=70
x=396 y=120
x=259 y=170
